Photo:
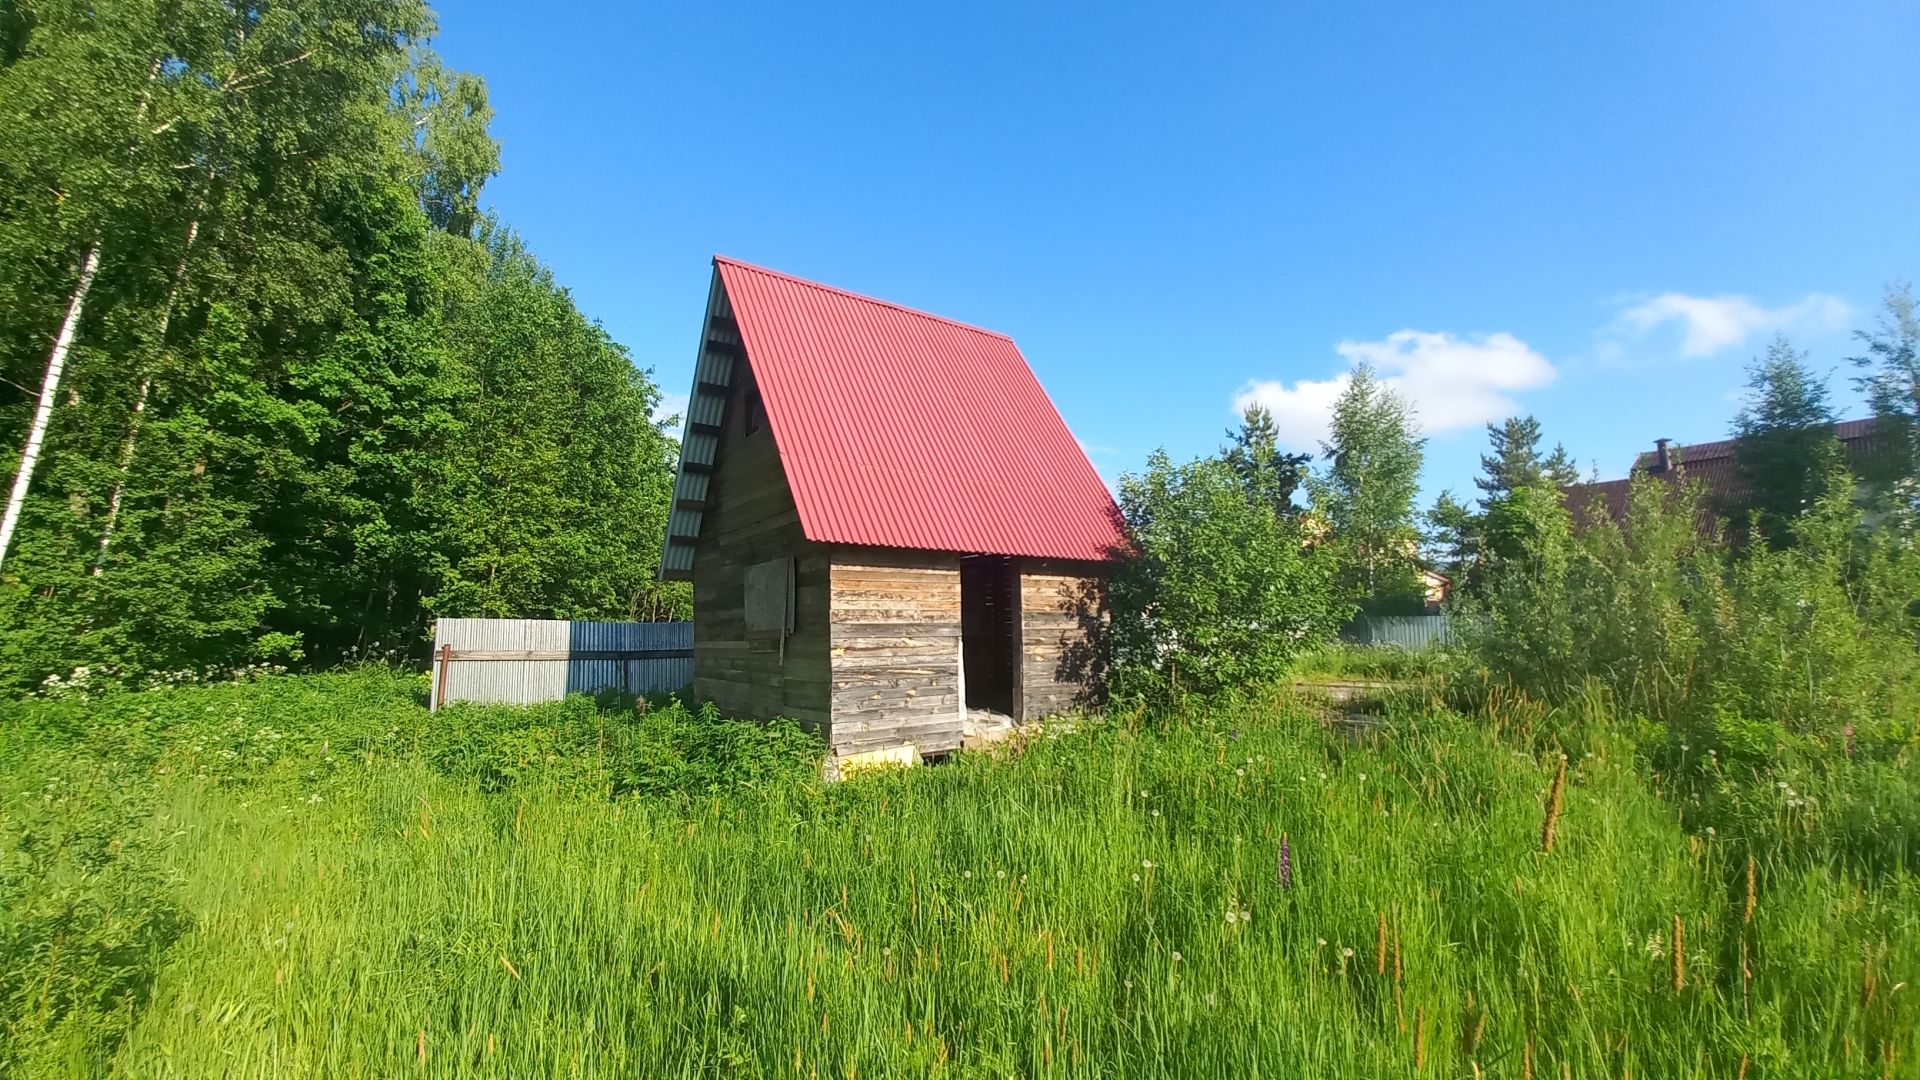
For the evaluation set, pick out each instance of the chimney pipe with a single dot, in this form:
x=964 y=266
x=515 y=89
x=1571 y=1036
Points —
x=1661 y=461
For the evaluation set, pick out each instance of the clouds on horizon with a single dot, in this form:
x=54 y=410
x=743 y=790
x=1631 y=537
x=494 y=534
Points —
x=1452 y=381
x=1713 y=324
x=1458 y=381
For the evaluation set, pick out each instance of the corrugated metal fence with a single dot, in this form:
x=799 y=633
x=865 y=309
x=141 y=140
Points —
x=1405 y=631
x=529 y=660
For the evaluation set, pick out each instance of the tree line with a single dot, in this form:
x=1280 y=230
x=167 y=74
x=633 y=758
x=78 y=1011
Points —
x=1229 y=573
x=281 y=391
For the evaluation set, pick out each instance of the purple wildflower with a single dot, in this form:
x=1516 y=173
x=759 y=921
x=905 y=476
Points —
x=1284 y=874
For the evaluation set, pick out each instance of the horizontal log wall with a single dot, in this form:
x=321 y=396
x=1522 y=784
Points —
x=749 y=517
x=1063 y=620
x=895 y=641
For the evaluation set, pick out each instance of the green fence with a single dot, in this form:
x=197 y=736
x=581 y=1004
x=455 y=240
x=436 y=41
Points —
x=1404 y=631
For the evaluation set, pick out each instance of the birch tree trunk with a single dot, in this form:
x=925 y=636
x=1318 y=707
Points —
x=57 y=360
x=49 y=389
x=140 y=404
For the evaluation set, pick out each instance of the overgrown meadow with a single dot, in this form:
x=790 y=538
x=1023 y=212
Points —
x=313 y=876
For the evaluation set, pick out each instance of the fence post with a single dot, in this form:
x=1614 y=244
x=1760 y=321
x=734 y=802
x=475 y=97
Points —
x=446 y=661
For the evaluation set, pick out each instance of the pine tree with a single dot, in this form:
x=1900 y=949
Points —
x=1516 y=461
x=1784 y=446
x=1890 y=379
x=1270 y=474
x=1452 y=538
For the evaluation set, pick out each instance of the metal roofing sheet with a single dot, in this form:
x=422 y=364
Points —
x=902 y=429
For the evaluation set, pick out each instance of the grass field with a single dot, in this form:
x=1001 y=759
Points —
x=315 y=877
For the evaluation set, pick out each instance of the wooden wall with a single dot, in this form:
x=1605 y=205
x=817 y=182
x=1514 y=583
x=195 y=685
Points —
x=895 y=629
x=750 y=518
x=1063 y=620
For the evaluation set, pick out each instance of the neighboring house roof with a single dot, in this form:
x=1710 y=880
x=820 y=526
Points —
x=1711 y=464
x=901 y=429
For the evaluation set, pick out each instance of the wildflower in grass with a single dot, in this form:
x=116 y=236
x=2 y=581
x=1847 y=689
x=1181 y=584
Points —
x=1000 y=873
x=1176 y=956
x=1146 y=864
x=1232 y=917
x=1239 y=772
x=1284 y=873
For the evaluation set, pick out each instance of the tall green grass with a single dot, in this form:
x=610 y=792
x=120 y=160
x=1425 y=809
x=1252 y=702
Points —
x=340 y=884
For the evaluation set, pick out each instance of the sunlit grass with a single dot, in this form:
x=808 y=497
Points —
x=1102 y=902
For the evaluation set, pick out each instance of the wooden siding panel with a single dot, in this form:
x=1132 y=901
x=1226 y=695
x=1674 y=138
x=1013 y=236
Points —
x=749 y=518
x=1063 y=620
x=895 y=628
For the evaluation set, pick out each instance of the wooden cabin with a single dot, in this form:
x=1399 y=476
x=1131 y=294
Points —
x=892 y=536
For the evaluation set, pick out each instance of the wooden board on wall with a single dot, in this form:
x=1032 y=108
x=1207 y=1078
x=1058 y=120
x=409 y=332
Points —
x=895 y=649
x=750 y=519
x=1063 y=621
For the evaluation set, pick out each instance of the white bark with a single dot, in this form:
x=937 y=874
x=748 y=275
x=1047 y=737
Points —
x=140 y=403
x=62 y=344
x=49 y=390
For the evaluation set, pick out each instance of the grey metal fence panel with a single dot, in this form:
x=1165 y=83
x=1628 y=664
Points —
x=531 y=660
x=1404 y=631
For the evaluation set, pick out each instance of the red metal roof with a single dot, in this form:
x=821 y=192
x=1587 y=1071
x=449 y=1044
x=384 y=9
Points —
x=902 y=429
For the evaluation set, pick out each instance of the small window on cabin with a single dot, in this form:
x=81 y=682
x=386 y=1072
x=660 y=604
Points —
x=756 y=414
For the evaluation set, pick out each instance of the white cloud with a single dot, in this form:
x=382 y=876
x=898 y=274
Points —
x=1711 y=324
x=1453 y=382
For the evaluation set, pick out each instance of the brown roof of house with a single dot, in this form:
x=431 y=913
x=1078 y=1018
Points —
x=1712 y=464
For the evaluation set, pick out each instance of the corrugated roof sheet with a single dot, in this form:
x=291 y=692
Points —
x=902 y=429
x=1710 y=464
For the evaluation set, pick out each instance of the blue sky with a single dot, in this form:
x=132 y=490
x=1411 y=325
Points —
x=1596 y=213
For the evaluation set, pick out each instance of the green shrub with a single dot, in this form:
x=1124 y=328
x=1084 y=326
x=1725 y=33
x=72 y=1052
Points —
x=1218 y=591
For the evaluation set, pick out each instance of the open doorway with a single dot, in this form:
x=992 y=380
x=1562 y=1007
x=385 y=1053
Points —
x=989 y=622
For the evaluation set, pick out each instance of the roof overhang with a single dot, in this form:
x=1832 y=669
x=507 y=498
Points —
x=714 y=370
